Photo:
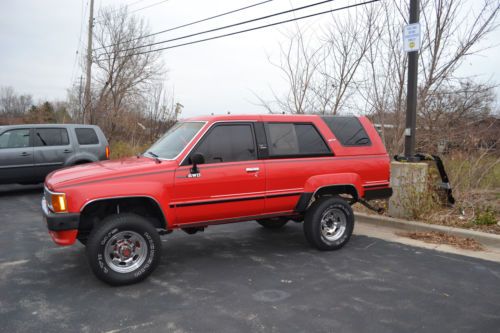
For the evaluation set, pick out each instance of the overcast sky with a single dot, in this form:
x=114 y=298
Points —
x=39 y=40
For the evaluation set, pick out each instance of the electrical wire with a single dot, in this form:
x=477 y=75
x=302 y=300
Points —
x=189 y=24
x=226 y=26
x=250 y=29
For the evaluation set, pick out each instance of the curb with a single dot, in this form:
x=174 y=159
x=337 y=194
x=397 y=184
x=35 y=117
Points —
x=491 y=240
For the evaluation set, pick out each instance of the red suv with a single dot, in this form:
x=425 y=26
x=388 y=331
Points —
x=214 y=170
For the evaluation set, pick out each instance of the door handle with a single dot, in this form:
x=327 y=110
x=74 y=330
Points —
x=252 y=169
x=25 y=154
x=67 y=151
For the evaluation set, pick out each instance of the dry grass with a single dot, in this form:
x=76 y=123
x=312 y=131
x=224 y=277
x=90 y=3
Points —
x=121 y=149
x=434 y=237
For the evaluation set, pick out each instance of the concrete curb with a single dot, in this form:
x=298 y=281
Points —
x=490 y=240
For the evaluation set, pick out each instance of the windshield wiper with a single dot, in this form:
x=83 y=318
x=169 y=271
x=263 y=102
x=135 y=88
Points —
x=157 y=159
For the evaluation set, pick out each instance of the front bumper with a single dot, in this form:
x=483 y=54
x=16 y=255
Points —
x=63 y=227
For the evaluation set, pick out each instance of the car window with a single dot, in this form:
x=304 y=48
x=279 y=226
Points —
x=51 y=137
x=86 y=136
x=175 y=140
x=348 y=130
x=228 y=143
x=18 y=138
x=289 y=139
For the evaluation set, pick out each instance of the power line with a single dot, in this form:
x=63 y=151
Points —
x=135 y=10
x=189 y=24
x=227 y=26
x=251 y=29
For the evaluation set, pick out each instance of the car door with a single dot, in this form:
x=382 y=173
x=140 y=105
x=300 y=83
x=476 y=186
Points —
x=51 y=149
x=231 y=182
x=16 y=156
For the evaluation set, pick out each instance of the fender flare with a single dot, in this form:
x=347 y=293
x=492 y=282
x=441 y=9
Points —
x=315 y=183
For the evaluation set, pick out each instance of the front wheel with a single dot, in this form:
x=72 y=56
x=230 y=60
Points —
x=329 y=223
x=123 y=249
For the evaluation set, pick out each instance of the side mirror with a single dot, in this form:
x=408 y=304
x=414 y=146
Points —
x=196 y=158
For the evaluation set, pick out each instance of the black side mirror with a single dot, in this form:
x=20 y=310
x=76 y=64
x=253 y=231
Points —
x=196 y=158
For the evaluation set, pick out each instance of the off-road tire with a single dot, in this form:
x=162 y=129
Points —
x=273 y=224
x=112 y=226
x=313 y=229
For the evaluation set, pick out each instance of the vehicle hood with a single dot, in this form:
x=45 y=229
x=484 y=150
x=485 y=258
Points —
x=103 y=170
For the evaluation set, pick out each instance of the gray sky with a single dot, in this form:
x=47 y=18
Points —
x=39 y=39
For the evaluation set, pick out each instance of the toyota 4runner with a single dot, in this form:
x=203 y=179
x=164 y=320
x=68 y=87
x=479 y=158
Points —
x=213 y=170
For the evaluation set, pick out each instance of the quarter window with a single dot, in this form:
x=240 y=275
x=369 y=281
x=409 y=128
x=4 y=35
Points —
x=289 y=139
x=51 y=137
x=86 y=136
x=348 y=130
x=228 y=143
x=18 y=138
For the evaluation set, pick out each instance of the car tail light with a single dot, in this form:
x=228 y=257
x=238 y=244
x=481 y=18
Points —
x=107 y=152
x=58 y=201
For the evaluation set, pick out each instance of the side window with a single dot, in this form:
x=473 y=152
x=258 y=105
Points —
x=51 y=137
x=228 y=143
x=18 y=138
x=86 y=136
x=289 y=139
x=348 y=130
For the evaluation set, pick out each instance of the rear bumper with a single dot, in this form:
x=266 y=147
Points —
x=63 y=227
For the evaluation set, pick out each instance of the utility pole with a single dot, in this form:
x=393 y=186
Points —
x=87 y=109
x=411 y=99
x=80 y=102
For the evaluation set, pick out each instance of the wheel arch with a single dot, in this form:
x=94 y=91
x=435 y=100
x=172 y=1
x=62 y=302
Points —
x=330 y=184
x=95 y=210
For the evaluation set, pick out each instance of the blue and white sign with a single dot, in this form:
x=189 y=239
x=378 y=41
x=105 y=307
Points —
x=411 y=37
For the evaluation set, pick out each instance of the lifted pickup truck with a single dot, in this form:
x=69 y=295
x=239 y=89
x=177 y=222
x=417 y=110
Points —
x=213 y=170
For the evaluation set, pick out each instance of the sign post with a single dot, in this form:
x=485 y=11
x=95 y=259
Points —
x=411 y=39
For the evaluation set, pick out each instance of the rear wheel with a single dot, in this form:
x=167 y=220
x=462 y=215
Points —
x=275 y=223
x=329 y=223
x=124 y=249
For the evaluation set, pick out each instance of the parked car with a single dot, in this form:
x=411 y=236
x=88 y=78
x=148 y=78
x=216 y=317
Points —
x=213 y=170
x=28 y=153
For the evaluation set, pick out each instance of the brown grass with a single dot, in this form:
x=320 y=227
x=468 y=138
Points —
x=435 y=237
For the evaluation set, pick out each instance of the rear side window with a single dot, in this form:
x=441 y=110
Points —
x=51 y=137
x=348 y=130
x=290 y=139
x=228 y=143
x=18 y=138
x=86 y=136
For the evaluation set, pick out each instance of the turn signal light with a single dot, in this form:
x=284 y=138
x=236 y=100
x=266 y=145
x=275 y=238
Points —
x=59 y=203
x=107 y=152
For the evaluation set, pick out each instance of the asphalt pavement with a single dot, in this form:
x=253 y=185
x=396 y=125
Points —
x=240 y=278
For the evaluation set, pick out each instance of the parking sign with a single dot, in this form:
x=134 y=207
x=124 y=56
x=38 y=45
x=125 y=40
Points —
x=411 y=37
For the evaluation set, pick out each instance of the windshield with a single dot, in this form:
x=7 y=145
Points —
x=175 y=140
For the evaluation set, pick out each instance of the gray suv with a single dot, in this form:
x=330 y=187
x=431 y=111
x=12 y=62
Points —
x=28 y=153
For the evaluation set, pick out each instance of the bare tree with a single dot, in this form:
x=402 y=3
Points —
x=451 y=33
x=322 y=78
x=13 y=105
x=122 y=74
x=162 y=111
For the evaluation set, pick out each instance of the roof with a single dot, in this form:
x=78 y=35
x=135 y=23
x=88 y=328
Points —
x=257 y=117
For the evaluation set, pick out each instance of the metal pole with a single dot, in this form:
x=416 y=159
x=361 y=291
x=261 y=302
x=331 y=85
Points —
x=411 y=99
x=87 y=109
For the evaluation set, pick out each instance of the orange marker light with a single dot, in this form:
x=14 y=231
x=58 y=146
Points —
x=107 y=152
x=59 y=203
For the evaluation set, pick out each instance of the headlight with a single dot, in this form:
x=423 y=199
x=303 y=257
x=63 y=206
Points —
x=56 y=201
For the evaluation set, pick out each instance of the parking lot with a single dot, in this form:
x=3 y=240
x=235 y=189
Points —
x=240 y=278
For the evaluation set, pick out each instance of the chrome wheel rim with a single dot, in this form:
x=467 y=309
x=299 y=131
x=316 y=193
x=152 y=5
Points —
x=125 y=252
x=333 y=224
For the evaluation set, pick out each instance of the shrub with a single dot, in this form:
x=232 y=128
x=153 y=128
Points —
x=485 y=217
